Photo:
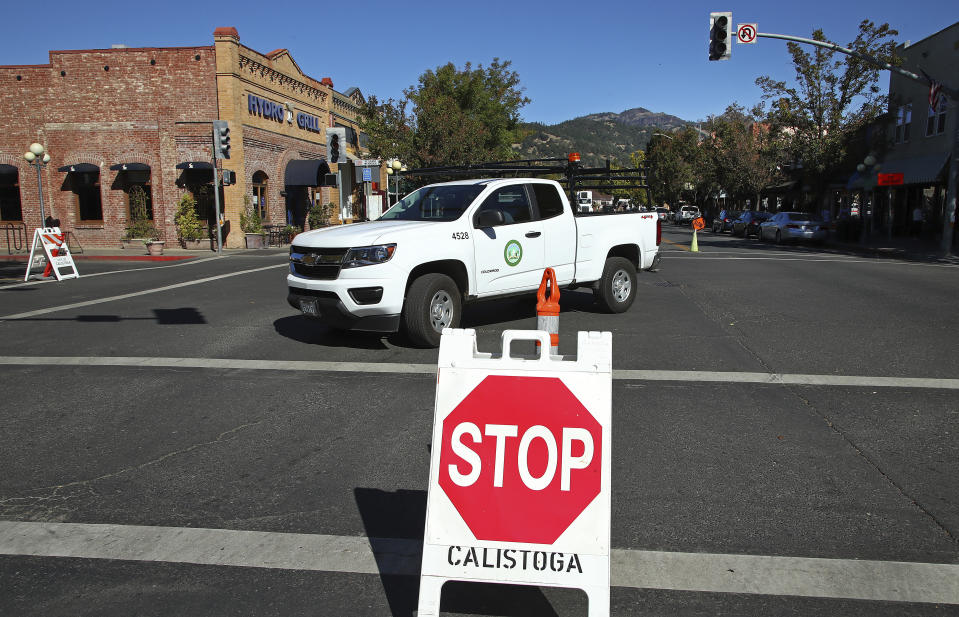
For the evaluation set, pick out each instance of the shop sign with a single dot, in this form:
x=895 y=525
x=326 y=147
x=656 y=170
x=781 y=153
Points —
x=264 y=108
x=275 y=111
x=890 y=179
x=308 y=122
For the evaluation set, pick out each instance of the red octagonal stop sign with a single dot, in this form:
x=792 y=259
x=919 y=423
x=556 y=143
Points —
x=520 y=459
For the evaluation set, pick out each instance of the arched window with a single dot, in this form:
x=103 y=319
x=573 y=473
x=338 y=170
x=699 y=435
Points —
x=260 y=186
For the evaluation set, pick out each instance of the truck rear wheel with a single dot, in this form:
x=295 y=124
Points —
x=617 y=287
x=432 y=303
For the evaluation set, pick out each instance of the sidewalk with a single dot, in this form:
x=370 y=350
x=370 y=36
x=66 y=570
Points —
x=910 y=249
x=177 y=254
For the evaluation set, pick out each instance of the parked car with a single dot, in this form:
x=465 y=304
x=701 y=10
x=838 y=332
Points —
x=662 y=213
x=724 y=222
x=748 y=223
x=793 y=226
x=685 y=215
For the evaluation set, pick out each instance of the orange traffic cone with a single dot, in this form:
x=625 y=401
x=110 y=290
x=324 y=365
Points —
x=547 y=310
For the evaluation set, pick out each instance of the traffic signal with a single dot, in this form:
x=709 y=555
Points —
x=229 y=177
x=221 y=139
x=720 y=25
x=336 y=145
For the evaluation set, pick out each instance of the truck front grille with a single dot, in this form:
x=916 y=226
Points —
x=316 y=263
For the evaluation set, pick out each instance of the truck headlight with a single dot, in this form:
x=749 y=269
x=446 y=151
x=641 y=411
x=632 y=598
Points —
x=368 y=255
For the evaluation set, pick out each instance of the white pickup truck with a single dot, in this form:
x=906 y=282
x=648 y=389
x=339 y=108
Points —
x=455 y=242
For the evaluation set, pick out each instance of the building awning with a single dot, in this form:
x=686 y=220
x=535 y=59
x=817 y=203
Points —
x=80 y=168
x=918 y=169
x=306 y=172
x=195 y=165
x=926 y=169
x=130 y=167
x=8 y=169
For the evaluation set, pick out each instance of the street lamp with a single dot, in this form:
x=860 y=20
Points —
x=393 y=168
x=38 y=157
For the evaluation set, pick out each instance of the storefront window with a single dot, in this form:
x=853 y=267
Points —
x=136 y=184
x=10 y=208
x=86 y=189
x=260 y=185
x=903 y=121
x=205 y=204
x=936 y=122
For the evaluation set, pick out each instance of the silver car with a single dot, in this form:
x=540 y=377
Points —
x=686 y=214
x=793 y=226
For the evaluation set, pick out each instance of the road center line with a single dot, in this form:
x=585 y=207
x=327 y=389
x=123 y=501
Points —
x=430 y=369
x=66 y=307
x=764 y=575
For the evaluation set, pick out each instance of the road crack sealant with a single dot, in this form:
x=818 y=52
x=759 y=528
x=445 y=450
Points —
x=729 y=325
x=50 y=503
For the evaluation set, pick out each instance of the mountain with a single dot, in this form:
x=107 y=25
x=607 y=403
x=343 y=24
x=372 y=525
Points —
x=596 y=136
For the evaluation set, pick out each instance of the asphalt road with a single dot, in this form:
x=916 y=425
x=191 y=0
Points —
x=707 y=465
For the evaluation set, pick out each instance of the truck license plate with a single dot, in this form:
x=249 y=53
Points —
x=309 y=308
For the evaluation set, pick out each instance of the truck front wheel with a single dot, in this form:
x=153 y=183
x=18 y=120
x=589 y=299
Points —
x=433 y=302
x=617 y=287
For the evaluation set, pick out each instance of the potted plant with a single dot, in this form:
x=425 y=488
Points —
x=188 y=227
x=320 y=215
x=252 y=226
x=154 y=244
x=289 y=232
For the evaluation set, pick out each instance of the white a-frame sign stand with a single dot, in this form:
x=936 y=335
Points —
x=50 y=252
x=519 y=489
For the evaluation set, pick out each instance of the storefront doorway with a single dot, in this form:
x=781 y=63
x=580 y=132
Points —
x=10 y=207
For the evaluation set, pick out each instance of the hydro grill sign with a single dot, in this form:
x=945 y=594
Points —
x=519 y=488
x=279 y=112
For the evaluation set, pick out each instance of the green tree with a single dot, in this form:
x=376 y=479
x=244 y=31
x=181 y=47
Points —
x=188 y=225
x=744 y=155
x=640 y=197
x=456 y=117
x=833 y=98
x=675 y=165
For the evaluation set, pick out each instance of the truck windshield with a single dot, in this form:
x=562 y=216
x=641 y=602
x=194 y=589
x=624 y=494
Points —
x=434 y=203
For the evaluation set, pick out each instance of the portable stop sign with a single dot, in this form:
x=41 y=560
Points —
x=50 y=246
x=519 y=488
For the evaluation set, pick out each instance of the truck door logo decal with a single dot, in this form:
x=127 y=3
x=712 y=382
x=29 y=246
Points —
x=513 y=253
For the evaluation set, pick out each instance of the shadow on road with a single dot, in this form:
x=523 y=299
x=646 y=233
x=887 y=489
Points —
x=186 y=316
x=303 y=329
x=476 y=315
x=401 y=514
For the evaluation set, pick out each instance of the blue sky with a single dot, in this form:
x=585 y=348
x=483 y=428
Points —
x=573 y=58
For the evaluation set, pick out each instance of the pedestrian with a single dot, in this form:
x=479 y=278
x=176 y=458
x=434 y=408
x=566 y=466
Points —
x=917 y=221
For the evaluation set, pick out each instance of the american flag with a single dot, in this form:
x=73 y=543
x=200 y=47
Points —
x=935 y=91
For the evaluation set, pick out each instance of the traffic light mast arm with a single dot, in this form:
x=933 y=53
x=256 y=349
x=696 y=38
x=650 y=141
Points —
x=864 y=57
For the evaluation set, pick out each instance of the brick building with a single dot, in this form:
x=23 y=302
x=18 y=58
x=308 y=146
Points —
x=121 y=120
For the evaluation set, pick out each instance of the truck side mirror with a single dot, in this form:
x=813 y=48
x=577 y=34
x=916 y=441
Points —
x=490 y=218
